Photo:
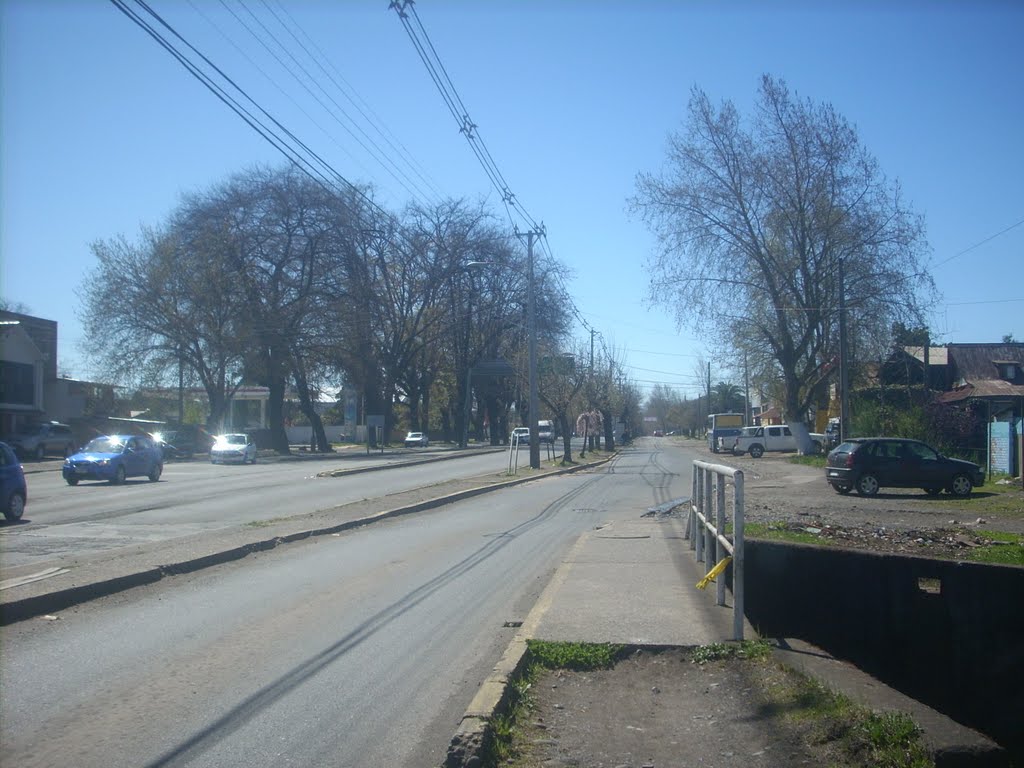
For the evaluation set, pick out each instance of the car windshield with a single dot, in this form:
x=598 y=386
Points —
x=414 y=435
x=104 y=445
x=232 y=439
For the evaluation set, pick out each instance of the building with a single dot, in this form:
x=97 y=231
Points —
x=30 y=389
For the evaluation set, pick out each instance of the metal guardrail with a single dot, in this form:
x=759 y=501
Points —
x=705 y=528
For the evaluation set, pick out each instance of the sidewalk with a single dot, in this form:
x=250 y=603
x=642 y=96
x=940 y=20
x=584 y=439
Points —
x=633 y=583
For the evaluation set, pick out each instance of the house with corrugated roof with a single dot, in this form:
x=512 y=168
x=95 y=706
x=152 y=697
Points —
x=988 y=378
x=992 y=374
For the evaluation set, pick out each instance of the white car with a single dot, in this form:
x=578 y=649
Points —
x=233 y=447
x=414 y=439
x=521 y=436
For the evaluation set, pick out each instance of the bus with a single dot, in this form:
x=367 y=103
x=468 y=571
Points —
x=723 y=425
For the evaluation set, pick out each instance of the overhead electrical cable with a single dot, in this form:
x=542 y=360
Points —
x=357 y=101
x=288 y=144
x=406 y=11
x=365 y=141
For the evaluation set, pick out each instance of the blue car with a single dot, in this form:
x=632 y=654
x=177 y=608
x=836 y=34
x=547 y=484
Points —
x=13 y=489
x=115 y=458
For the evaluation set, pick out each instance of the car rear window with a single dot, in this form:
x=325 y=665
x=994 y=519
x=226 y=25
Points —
x=846 y=447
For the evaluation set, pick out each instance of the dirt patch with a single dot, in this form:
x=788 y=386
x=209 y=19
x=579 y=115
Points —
x=660 y=709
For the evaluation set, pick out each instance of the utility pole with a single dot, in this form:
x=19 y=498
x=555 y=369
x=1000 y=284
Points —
x=746 y=391
x=531 y=325
x=844 y=363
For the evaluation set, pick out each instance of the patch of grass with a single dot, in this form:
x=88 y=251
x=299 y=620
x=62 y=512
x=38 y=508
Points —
x=501 y=745
x=576 y=656
x=852 y=734
x=777 y=531
x=1004 y=500
x=747 y=649
x=1007 y=549
x=817 y=460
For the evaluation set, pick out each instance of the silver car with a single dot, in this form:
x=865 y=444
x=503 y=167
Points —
x=233 y=447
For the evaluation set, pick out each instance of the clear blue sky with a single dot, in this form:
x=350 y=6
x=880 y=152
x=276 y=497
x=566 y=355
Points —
x=102 y=130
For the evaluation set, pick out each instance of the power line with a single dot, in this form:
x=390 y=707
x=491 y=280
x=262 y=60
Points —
x=363 y=139
x=979 y=244
x=270 y=129
x=417 y=33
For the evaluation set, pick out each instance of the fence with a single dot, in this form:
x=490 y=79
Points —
x=705 y=528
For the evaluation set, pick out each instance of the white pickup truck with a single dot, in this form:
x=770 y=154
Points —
x=757 y=440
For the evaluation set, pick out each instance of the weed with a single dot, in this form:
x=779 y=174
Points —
x=747 y=649
x=854 y=735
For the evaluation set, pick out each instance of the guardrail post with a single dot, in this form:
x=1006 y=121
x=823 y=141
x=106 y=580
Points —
x=712 y=545
x=720 y=530
x=737 y=557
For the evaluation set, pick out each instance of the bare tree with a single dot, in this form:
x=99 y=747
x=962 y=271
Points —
x=755 y=223
x=161 y=305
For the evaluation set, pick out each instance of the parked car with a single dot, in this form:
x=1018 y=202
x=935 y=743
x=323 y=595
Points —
x=13 y=488
x=39 y=440
x=757 y=440
x=520 y=436
x=114 y=458
x=867 y=464
x=416 y=440
x=233 y=447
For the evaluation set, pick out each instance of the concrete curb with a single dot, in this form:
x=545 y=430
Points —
x=58 y=600
x=472 y=737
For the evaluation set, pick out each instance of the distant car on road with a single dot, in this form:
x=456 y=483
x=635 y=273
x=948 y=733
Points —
x=416 y=440
x=39 y=440
x=867 y=464
x=13 y=488
x=522 y=435
x=114 y=458
x=175 y=444
x=235 y=446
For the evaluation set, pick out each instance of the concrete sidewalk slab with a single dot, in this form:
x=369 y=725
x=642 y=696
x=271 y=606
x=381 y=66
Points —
x=633 y=582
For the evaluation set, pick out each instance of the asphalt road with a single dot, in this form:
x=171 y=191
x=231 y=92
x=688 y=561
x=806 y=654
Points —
x=196 y=496
x=357 y=649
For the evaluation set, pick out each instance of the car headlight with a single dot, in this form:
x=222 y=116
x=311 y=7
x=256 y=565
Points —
x=103 y=462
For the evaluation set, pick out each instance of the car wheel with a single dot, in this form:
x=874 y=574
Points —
x=40 y=453
x=15 y=507
x=756 y=451
x=961 y=485
x=254 y=457
x=213 y=460
x=932 y=491
x=71 y=480
x=867 y=485
x=842 y=490
x=154 y=473
x=119 y=476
